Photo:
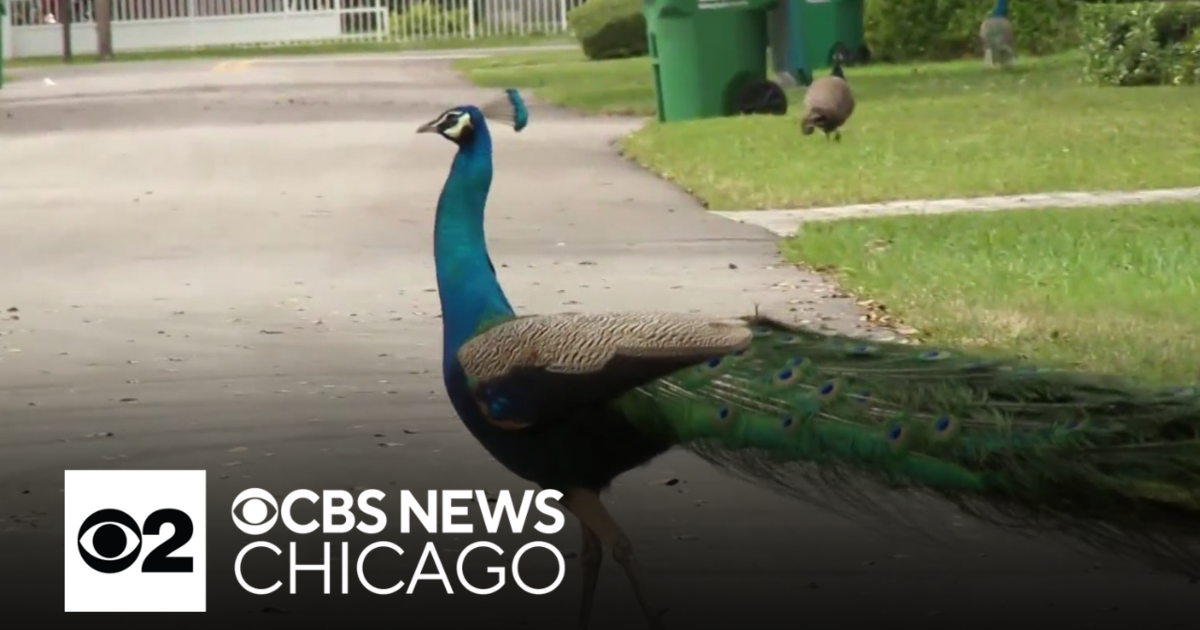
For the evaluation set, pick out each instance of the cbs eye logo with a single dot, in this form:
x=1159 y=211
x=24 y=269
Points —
x=259 y=511
x=110 y=541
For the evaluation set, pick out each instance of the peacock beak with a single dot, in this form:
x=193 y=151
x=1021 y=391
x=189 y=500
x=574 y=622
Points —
x=428 y=127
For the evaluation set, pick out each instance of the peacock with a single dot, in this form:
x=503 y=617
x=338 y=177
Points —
x=828 y=103
x=996 y=34
x=570 y=401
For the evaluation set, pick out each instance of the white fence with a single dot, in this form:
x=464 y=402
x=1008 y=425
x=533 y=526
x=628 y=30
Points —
x=32 y=28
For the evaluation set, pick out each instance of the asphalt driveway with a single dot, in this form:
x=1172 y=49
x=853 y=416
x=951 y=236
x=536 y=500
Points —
x=229 y=267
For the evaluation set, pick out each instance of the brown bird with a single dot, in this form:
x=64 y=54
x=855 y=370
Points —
x=828 y=104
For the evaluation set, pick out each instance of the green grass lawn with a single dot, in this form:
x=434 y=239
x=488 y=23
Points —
x=1106 y=289
x=348 y=47
x=568 y=79
x=926 y=131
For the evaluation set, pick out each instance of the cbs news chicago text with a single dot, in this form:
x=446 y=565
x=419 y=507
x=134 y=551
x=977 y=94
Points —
x=435 y=514
x=117 y=522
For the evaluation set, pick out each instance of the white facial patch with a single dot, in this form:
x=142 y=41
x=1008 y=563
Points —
x=462 y=122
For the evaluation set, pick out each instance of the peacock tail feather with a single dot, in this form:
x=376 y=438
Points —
x=911 y=417
x=1112 y=463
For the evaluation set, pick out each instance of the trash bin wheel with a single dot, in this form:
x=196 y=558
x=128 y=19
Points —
x=762 y=97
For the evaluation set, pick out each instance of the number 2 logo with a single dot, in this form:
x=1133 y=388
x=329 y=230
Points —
x=110 y=541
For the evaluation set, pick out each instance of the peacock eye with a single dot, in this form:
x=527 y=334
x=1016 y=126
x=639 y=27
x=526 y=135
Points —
x=453 y=123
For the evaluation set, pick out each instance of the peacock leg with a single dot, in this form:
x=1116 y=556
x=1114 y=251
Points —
x=590 y=556
x=837 y=136
x=586 y=506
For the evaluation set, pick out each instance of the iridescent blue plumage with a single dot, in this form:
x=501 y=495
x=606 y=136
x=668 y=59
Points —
x=468 y=288
x=577 y=450
x=472 y=300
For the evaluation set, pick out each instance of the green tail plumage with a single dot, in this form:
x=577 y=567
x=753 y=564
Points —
x=1116 y=465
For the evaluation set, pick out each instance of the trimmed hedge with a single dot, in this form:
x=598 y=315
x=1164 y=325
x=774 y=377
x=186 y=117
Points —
x=1145 y=43
x=1128 y=42
x=610 y=29
x=910 y=30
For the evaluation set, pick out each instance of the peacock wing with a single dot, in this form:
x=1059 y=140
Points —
x=539 y=368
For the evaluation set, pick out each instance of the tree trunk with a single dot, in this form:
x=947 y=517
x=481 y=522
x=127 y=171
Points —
x=103 y=16
x=64 y=17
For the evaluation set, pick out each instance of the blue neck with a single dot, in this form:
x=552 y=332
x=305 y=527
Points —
x=1001 y=9
x=467 y=285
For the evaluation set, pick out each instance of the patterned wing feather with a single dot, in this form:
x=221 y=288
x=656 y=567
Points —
x=535 y=369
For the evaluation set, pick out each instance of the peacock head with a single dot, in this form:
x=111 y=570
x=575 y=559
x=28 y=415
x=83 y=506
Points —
x=460 y=124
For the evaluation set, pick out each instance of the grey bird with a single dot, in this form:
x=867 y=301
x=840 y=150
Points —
x=828 y=104
x=996 y=35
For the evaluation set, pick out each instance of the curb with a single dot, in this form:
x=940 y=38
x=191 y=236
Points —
x=429 y=54
x=788 y=222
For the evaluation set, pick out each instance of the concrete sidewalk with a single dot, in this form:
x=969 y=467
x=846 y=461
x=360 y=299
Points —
x=788 y=222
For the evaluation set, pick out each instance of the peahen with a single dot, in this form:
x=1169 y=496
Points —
x=828 y=103
x=996 y=35
x=571 y=401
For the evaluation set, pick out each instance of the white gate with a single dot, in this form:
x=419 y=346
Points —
x=140 y=25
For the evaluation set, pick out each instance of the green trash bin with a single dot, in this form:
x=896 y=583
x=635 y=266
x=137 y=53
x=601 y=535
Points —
x=706 y=54
x=829 y=27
